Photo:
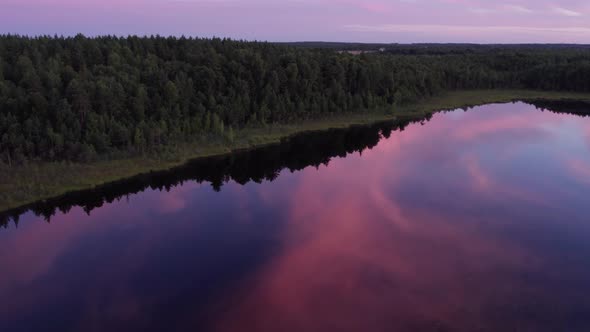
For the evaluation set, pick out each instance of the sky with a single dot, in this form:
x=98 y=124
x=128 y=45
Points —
x=390 y=21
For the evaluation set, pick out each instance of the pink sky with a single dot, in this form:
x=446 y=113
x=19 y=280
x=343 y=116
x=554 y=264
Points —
x=485 y=21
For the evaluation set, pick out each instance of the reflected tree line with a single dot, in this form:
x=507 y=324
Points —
x=258 y=165
x=564 y=106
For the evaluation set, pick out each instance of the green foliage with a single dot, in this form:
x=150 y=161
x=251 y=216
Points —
x=83 y=99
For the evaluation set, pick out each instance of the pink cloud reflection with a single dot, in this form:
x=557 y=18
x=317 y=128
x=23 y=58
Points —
x=358 y=257
x=394 y=239
x=580 y=170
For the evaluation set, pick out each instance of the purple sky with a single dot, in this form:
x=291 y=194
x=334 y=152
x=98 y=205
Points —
x=403 y=21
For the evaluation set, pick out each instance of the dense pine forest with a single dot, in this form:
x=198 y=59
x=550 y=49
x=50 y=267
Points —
x=83 y=99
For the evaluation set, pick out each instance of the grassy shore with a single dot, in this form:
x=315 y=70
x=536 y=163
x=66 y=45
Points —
x=37 y=181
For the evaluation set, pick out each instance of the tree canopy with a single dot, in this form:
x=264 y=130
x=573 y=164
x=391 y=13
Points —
x=80 y=99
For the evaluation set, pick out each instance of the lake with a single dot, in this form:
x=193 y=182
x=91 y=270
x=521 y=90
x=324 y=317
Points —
x=473 y=220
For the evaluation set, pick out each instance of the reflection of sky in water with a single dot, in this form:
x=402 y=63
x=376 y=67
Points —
x=476 y=220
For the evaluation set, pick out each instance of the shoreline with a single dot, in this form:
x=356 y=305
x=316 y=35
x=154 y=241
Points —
x=24 y=185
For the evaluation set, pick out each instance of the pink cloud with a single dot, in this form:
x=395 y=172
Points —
x=580 y=170
x=307 y=20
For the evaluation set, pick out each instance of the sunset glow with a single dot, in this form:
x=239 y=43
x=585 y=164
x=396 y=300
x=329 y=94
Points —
x=515 y=21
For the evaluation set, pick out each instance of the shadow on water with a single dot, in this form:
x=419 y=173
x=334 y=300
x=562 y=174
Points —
x=572 y=107
x=262 y=164
x=257 y=165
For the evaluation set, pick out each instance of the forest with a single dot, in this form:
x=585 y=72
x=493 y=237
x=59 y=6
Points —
x=84 y=99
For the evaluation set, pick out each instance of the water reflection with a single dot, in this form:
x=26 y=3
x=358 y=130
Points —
x=296 y=153
x=476 y=221
x=264 y=164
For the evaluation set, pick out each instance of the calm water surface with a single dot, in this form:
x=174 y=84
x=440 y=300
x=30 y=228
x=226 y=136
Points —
x=472 y=221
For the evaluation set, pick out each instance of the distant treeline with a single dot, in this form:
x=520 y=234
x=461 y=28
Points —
x=81 y=98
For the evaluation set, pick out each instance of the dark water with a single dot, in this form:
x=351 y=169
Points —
x=472 y=221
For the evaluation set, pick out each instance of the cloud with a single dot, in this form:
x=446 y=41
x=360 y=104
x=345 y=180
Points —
x=292 y=20
x=518 y=9
x=566 y=12
x=482 y=10
x=462 y=28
